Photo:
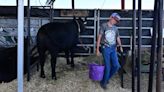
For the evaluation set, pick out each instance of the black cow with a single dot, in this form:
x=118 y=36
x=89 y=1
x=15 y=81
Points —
x=8 y=62
x=56 y=37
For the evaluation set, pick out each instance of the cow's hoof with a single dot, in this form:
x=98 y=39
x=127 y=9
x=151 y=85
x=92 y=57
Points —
x=72 y=65
x=54 y=78
x=42 y=76
x=68 y=63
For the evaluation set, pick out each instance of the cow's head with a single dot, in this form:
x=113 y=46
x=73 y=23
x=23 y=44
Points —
x=81 y=24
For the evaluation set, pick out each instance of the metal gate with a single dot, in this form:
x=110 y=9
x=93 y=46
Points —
x=94 y=19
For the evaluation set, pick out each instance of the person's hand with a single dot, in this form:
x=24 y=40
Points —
x=121 y=49
x=97 y=52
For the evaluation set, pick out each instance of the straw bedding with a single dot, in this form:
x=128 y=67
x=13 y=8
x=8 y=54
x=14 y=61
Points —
x=71 y=80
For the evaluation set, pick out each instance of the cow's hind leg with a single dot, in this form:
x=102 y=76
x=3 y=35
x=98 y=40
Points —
x=72 y=58
x=67 y=56
x=54 y=53
x=42 y=61
x=53 y=65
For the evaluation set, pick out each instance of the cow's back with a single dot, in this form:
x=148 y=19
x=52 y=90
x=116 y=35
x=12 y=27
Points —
x=62 y=35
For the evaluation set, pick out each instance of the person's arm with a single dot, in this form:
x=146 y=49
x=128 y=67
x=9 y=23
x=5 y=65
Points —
x=119 y=43
x=101 y=32
x=98 y=44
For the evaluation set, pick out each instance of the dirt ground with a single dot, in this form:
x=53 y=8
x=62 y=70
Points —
x=72 y=80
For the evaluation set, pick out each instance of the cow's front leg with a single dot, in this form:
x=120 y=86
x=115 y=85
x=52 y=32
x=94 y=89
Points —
x=53 y=66
x=42 y=74
x=67 y=57
x=72 y=59
x=42 y=61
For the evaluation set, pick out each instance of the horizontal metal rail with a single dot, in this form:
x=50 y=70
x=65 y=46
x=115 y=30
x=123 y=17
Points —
x=86 y=36
x=95 y=19
x=85 y=44
x=106 y=18
x=69 y=18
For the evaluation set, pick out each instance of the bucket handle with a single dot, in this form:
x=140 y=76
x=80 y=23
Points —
x=100 y=60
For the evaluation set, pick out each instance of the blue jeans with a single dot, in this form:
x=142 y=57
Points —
x=110 y=61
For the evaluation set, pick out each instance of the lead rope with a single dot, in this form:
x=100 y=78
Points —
x=84 y=47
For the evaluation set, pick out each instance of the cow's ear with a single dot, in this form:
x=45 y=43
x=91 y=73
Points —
x=74 y=17
x=80 y=18
x=85 y=19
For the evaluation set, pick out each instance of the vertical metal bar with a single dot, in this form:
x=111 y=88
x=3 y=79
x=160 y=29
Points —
x=20 y=48
x=98 y=22
x=51 y=13
x=139 y=44
x=17 y=3
x=153 y=46
x=95 y=21
x=73 y=4
x=122 y=71
x=28 y=41
x=73 y=8
x=122 y=4
x=131 y=40
x=160 y=49
x=133 y=45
